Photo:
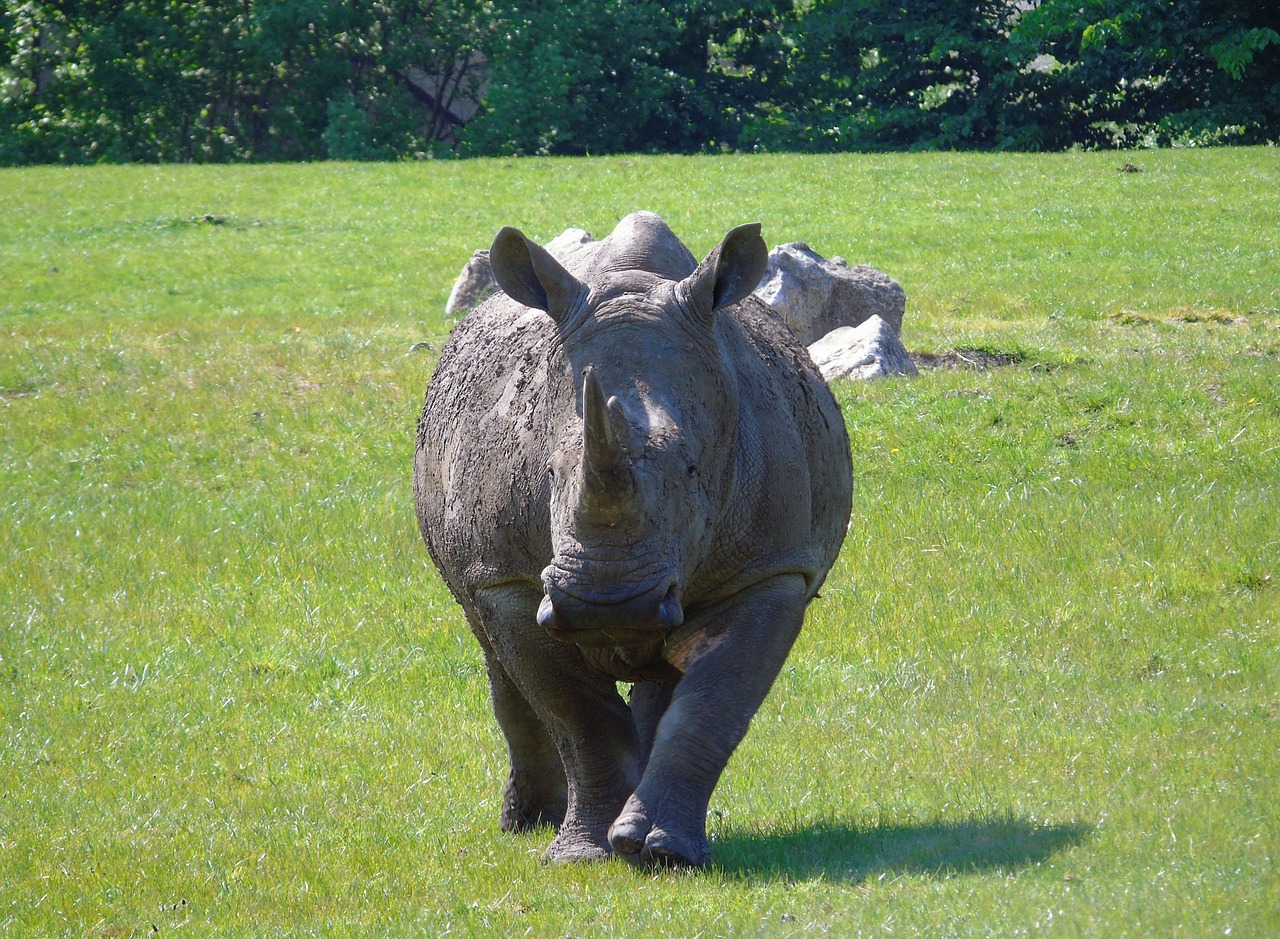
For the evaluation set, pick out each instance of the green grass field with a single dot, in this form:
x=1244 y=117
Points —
x=1040 y=694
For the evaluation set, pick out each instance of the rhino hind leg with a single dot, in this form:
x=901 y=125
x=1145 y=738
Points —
x=664 y=822
x=536 y=793
x=548 y=699
x=649 y=701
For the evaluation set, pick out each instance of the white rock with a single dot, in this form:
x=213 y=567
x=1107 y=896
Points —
x=815 y=295
x=474 y=285
x=567 y=242
x=871 y=350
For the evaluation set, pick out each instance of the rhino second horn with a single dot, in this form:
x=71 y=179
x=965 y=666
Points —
x=608 y=490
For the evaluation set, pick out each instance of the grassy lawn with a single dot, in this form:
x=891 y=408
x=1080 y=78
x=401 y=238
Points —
x=1040 y=694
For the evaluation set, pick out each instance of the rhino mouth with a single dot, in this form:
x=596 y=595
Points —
x=573 y=613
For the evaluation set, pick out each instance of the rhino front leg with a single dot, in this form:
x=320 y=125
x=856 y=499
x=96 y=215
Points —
x=747 y=639
x=578 y=711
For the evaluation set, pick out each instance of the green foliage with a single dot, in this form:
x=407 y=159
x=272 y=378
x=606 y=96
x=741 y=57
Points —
x=867 y=75
x=195 y=81
x=587 y=77
x=163 y=80
x=371 y=128
x=1235 y=53
x=1155 y=72
x=874 y=75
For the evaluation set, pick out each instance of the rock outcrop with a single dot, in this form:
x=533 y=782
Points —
x=474 y=285
x=871 y=350
x=849 y=317
x=815 y=295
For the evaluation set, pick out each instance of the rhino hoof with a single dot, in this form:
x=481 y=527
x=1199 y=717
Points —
x=574 y=850
x=628 y=834
x=663 y=849
x=526 y=807
x=637 y=841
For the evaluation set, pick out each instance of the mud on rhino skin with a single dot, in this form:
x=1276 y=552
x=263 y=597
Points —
x=627 y=469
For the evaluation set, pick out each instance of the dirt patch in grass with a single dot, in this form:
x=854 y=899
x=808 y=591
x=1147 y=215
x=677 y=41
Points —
x=976 y=360
x=1189 y=315
x=1130 y=318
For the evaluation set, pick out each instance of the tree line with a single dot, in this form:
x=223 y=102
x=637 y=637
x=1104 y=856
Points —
x=259 y=80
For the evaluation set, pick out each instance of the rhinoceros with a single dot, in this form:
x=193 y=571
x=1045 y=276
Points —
x=627 y=470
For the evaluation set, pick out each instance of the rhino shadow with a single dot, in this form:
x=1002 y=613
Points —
x=853 y=854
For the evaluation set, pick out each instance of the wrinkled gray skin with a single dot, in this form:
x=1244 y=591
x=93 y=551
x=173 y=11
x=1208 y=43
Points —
x=627 y=470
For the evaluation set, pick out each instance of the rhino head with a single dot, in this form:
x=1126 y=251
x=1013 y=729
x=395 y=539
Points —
x=642 y=444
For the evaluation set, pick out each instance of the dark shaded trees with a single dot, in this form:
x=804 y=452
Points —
x=203 y=80
x=586 y=76
x=176 y=80
x=1155 y=72
x=991 y=74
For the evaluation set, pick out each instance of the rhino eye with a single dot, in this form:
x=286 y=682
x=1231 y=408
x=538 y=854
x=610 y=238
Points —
x=692 y=471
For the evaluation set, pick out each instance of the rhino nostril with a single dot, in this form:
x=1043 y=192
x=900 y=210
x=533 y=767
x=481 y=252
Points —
x=669 y=610
x=546 y=614
x=620 y=620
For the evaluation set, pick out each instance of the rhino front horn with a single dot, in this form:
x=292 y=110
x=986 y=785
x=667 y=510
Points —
x=607 y=486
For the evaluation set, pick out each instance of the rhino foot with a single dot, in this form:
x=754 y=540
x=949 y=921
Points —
x=638 y=841
x=574 y=849
x=668 y=849
x=628 y=833
x=519 y=819
x=531 y=800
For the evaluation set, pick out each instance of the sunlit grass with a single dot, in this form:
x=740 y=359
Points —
x=1040 y=688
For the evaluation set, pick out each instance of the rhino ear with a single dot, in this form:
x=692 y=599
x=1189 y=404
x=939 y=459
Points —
x=532 y=276
x=730 y=272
